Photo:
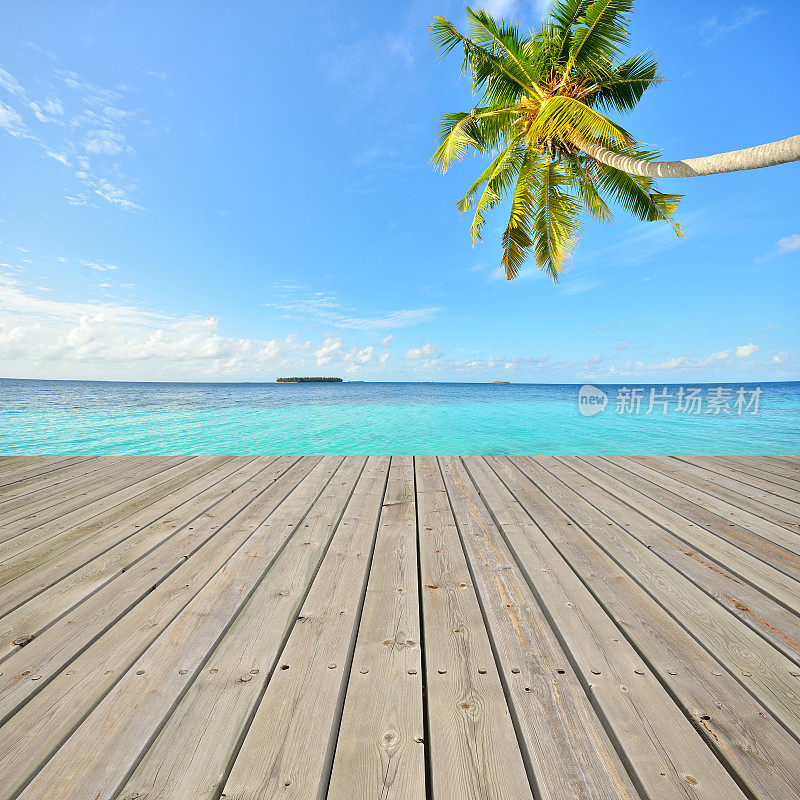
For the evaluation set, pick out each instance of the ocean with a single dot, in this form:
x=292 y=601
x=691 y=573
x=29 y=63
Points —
x=107 y=418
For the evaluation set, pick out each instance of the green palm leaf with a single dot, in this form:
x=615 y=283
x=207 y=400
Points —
x=504 y=42
x=498 y=179
x=556 y=220
x=600 y=35
x=583 y=179
x=625 y=84
x=638 y=195
x=568 y=119
x=500 y=79
x=481 y=128
x=517 y=237
x=563 y=16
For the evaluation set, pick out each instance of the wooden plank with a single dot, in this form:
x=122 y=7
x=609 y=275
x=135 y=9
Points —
x=769 y=464
x=762 y=486
x=288 y=748
x=31 y=468
x=41 y=486
x=194 y=751
x=474 y=752
x=792 y=463
x=743 y=735
x=28 y=670
x=763 y=669
x=769 y=480
x=564 y=742
x=745 y=536
x=10 y=460
x=746 y=473
x=81 y=680
x=379 y=750
x=43 y=477
x=44 y=548
x=38 y=564
x=737 y=492
x=105 y=748
x=757 y=525
x=59 y=520
x=60 y=584
x=744 y=551
x=23 y=514
x=745 y=586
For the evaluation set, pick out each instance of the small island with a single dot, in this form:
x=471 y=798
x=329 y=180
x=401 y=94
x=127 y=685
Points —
x=308 y=380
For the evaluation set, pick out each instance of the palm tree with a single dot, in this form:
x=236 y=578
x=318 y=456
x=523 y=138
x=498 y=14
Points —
x=540 y=116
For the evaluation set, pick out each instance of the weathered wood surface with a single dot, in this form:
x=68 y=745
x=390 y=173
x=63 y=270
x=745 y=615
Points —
x=399 y=628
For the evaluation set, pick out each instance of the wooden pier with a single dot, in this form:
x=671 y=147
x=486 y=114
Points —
x=327 y=628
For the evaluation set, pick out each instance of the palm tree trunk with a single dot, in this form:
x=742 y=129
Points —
x=765 y=155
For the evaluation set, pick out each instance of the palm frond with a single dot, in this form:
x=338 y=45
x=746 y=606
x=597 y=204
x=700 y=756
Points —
x=457 y=132
x=503 y=40
x=543 y=99
x=563 y=16
x=500 y=80
x=582 y=175
x=498 y=179
x=600 y=34
x=568 y=119
x=556 y=219
x=638 y=195
x=484 y=129
x=624 y=85
x=517 y=239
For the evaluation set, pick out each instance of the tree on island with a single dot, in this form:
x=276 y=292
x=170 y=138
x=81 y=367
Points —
x=554 y=152
x=308 y=380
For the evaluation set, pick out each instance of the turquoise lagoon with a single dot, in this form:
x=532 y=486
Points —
x=105 y=418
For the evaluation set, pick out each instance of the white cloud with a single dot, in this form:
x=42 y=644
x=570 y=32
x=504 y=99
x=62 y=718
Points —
x=98 y=265
x=296 y=302
x=426 y=351
x=394 y=319
x=364 y=356
x=47 y=111
x=59 y=157
x=510 y=9
x=11 y=84
x=712 y=29
x=116 y=195
x=11 y=122
x=107 y=142
x=53 y=106
x=689 y=363
x=387 y=340
x=334 y=351
x=87 y=128
x=114 y=339
x=788 y=244
x=327 y=350
x=746 y=350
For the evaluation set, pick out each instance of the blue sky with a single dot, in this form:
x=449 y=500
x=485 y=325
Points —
x=238 y=191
